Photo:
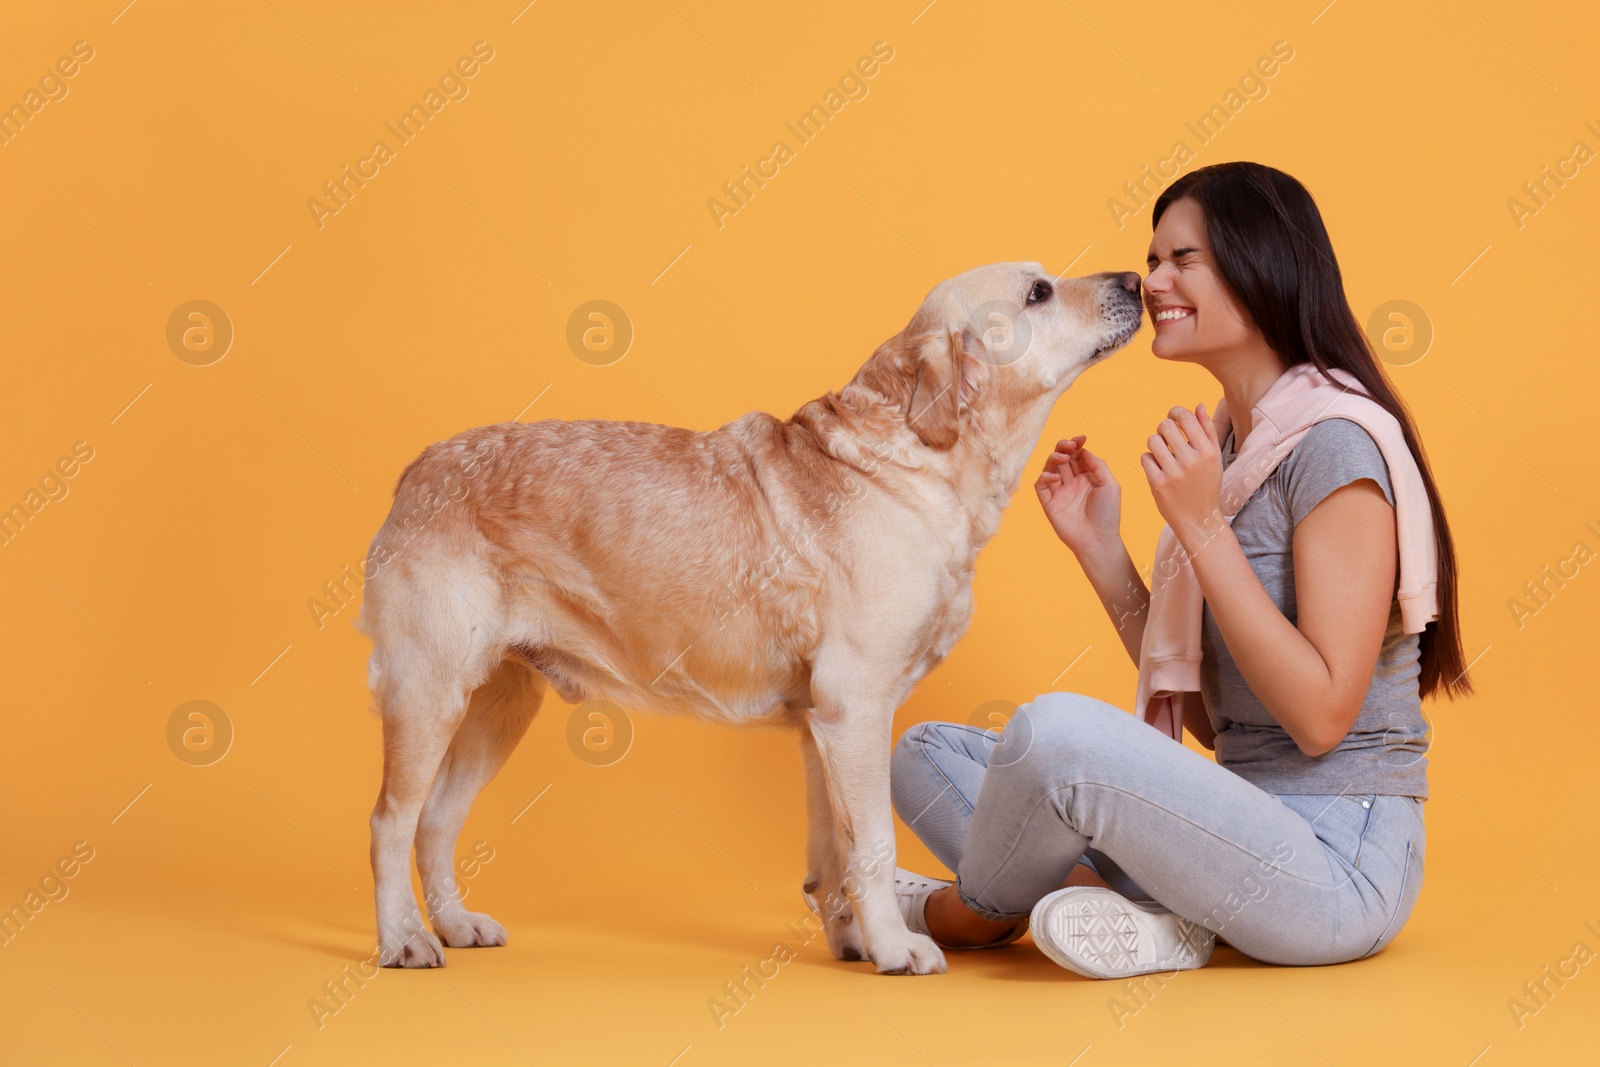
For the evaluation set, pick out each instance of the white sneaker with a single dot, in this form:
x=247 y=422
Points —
x=1099 y=933
x=912 y=891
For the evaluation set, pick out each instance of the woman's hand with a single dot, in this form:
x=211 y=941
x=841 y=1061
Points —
x=1080 y=497
x=1184 y=466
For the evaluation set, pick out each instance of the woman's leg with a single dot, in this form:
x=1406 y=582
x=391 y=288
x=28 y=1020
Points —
x=935 y=775
x=1325 y=880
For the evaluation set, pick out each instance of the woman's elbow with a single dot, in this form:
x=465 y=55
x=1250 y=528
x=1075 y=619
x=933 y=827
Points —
x=1329 y=734
x=1315 y=748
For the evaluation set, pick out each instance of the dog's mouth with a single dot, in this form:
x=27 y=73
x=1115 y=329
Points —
x=1124 y=323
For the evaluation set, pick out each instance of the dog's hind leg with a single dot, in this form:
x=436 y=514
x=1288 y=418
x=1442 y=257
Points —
x=823 y=876
x=418 y=722
x=498 y=714
x=433 y=646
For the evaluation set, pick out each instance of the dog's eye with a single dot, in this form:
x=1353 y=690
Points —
x=1039 y=293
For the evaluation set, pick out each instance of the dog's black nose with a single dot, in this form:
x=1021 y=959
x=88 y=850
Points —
x=1129 y=280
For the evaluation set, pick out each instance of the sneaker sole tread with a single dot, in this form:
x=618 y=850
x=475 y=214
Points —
x=1094 y=935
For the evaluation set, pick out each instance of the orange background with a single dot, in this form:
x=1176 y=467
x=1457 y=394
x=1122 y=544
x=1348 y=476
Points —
x=220 y=498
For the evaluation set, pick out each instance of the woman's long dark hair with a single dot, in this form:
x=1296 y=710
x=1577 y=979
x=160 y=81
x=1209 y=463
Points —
x=1272 y=250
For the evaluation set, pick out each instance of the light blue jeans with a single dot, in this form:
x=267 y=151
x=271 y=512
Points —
x=1285 y=878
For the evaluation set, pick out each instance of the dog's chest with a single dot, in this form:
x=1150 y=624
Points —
x=952 y=613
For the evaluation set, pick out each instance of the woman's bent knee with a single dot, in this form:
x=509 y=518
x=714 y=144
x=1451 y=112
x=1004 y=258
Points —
x=1056 y=733
x=1071 y=718
x=1072 y=704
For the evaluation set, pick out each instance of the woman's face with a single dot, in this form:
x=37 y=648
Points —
x=1195 y=314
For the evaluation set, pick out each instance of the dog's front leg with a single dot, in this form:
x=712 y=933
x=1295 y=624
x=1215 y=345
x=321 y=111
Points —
x=853 y=741
x=823 y=873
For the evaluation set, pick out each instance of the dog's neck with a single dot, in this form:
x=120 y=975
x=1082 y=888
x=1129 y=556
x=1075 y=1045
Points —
x=1004 y=451
x=863 y=430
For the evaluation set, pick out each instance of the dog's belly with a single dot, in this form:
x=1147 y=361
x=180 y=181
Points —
x=734 y=668
x=749 y=663
x=575 y=682
x=679 y=640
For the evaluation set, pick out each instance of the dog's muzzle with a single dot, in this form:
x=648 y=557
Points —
x=1122 y=309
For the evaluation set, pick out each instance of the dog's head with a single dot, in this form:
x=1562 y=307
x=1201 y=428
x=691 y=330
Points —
x=991 y=346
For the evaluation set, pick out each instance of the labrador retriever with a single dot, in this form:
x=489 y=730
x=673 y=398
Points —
x=805 y=571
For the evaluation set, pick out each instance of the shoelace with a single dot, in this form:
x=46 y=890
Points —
x=914 y=884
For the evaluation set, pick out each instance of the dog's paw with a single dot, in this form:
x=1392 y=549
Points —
x=914 y=954
x=420 y=949
x=470 y=929
x=808 y=893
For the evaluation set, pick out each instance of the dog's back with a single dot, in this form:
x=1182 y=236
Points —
x=651 y=565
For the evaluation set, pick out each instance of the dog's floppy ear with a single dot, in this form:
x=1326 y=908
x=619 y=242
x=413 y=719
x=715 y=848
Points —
x=947 y=372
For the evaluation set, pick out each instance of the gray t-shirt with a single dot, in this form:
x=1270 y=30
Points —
x=1384 y=752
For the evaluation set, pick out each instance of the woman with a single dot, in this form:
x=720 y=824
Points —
x=1303 y=842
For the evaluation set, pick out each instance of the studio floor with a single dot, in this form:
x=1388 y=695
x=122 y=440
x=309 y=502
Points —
x=234 y=926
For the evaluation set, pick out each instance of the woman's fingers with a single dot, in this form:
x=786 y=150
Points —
x=1095 y=467
x=1170 y=432
x=1066 y=451
x=1208 y=426
x=1160 y=452
x=1193 y=431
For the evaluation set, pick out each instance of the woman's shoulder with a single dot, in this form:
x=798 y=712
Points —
x=1331 y=455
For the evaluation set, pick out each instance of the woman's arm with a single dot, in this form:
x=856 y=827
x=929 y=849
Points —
x=1084 y=505
x=1312 y=678
x=1121 y=590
